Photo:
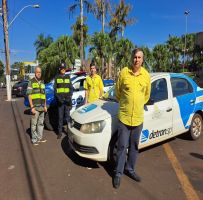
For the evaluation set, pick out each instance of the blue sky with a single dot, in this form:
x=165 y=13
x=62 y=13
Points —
x=155 y=21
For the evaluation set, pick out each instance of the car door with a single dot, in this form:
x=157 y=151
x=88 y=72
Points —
x=158 y=114
x=78 y=94
x=183 y=103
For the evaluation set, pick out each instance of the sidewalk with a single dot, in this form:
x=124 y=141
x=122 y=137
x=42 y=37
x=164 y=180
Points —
x=18 y=173
x=13 y=182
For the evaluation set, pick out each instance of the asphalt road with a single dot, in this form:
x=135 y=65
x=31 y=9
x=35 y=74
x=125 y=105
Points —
x=169 y=171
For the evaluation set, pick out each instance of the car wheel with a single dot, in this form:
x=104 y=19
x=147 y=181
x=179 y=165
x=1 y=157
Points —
x=113 y=147
x=196 y=127
x=47 y=123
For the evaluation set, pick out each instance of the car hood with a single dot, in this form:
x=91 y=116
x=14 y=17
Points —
x=99 y=110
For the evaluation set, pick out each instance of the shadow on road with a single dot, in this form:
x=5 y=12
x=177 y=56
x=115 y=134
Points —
x=197 y=155
x=185 y=136
x=67 y=149
x=28 y=131
x=108 y=167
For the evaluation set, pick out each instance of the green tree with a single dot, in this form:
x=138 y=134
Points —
x=89 y=8
x=160 y=54
x=1 y=68
x=148 y=58
x=42 y=43
x=119 y=19
x=62 y=50
x=101 y=48
x=77 y=35
x=101 y=9
x=122 y=53
x=174 y=52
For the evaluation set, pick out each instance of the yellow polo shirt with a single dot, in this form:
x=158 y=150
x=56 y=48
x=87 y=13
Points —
x=132 y=92
x=95 y=86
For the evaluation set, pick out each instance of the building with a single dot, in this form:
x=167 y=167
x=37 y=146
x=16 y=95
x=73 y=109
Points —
x=30 y=66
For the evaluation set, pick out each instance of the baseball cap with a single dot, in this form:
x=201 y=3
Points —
x=62 y=66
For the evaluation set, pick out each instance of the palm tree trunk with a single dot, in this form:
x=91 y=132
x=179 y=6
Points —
x=102 y=59
x=103 y=15
x=81 y=33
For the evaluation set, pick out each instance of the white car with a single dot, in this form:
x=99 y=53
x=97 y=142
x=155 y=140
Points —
x=77 y=98
x=175 y=107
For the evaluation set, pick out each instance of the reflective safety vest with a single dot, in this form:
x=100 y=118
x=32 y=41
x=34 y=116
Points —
x=63 y=85
x=38 y=93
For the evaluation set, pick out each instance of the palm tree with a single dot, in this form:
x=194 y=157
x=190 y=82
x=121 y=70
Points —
x=122 y=53
x=119 y=18
x=89 y=8
x=63 y=50
x=76 y=33
x=101 y=48
x=160 y=53
x=148 y=58
x=42 y=42
x=101 y=9
x=174 y=50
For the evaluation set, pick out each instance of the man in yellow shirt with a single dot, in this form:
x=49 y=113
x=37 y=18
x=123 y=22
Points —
x=132 y=92
x=93 y=85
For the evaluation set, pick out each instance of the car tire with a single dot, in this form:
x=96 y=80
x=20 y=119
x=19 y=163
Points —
x=196 y=127
x=113 y=146
x=47 y=123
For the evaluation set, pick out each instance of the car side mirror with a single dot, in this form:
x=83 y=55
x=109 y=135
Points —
x=150 y=102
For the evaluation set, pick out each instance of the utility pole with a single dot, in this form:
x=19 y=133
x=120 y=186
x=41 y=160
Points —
x=81 y=34
x=186 y=13
x=7 y=54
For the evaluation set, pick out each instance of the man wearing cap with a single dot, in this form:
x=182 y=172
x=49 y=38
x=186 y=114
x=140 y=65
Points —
x=93 y=85
x=63 y=90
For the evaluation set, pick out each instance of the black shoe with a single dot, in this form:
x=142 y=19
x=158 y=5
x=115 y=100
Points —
x=116 y=182
x=59 y=136
x=133 y=176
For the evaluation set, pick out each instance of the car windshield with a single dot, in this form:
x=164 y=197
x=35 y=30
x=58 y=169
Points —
x=110 y=95
x=73 y=78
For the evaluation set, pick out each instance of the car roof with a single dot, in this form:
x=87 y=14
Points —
x=162 y=74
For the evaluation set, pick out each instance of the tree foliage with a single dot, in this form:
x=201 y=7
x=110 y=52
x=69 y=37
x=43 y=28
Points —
x=101 y=47
x=42 y=43
x=62 y=50
x=1 y=68
x=119 y=18
x=122 y=55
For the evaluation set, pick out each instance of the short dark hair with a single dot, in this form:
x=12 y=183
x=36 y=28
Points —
x=134 y=51
x=92 y=64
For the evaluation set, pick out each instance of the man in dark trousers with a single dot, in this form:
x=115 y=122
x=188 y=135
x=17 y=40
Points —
x=63 y=92
x=132 y=92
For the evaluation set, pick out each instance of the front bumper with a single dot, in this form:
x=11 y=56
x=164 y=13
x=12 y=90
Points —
x=91 y=146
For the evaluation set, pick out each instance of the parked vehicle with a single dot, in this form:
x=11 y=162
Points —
x=77 y=98
x=175 y=107
x=20 y=88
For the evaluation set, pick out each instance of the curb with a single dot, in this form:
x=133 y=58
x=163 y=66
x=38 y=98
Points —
x=32 y=172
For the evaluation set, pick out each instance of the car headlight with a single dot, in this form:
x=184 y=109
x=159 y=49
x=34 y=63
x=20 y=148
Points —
x=93 y=127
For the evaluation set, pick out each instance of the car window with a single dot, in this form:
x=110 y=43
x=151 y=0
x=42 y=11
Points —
x=110 y=94
x=159 y=90
x=180 y=86
x=81 y=84
x=78 y=85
